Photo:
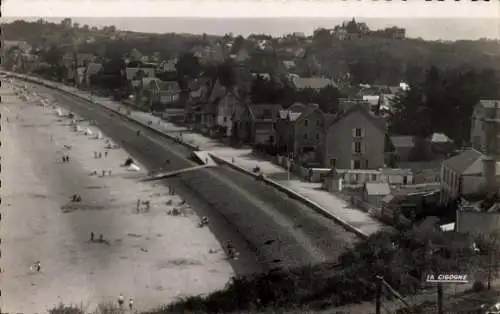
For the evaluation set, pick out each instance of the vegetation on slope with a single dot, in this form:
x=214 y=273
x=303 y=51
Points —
x=401 y=258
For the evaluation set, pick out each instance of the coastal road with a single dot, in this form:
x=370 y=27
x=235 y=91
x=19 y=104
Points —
x=279 y=231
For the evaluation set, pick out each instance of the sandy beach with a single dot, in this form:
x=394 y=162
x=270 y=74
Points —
x=148 y=255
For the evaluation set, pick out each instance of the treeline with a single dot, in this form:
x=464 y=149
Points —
x=368 y=60
x=443 y=102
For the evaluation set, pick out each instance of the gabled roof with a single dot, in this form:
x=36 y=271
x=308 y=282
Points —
x=377 y=188
x=462 y=162
x=131 y=72
x=298 y=111
x=218 y=91
x=93 y=68
x=168 y=86
x=439 y=138
x=254 y=110
x=403 y=141
x=379 y=123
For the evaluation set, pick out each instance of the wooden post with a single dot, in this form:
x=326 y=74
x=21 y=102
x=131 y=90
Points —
x=378 y=303
x=440 y=298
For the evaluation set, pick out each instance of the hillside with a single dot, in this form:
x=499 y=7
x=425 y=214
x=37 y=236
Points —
x=369 y=60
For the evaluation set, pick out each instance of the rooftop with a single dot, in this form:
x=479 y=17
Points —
x=377 y=188
x=462 y=162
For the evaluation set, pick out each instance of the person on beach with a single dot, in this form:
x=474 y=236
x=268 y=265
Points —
x=121 y=300
x=37 y=266
x=106 y=154
x=92 y=237
x=130 y=304
x=230 y=249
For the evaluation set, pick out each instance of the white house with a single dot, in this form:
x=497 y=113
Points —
x=467 y=173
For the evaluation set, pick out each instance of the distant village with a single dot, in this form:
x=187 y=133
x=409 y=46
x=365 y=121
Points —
x=347 y=151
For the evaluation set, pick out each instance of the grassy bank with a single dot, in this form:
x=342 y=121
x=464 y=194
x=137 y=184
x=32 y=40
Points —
x=401 y=258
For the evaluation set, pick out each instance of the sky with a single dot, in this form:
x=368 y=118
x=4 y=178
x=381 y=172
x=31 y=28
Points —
x=447 y=20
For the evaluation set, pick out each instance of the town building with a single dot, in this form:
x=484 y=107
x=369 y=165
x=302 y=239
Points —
x=257 y=124
x=300 y=131
x=468 y=173
x=355 y=139
x=485 y=127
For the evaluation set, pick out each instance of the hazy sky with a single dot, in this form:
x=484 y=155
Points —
x=447 y=20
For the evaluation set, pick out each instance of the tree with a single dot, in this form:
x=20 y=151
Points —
x=112 y=74
x=188 y=65
x=226 y=74
x=322 y=37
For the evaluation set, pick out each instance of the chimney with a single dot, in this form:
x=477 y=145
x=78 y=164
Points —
x=489 y=174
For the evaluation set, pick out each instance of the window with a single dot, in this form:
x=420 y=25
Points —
x=333 y=162
x=306 y=122
x=318 y=123
x=317 y=136
x=357 y=164
x=305 y=136
x=374 y=177
x=357 y=147
x=357 y=132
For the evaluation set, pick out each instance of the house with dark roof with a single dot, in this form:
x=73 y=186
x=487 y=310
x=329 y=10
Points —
x=354 y=140
x=407 y=147
x=92 y=69
x=229 y=109
x=300 y=131
x=468 y=173
x=209 y=110
x=257 y=124
x=165 y=93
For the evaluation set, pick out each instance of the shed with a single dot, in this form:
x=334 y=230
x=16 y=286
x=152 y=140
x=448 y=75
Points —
x=374 y=192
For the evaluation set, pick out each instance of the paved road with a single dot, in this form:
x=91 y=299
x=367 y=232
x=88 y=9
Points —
x=240 y=208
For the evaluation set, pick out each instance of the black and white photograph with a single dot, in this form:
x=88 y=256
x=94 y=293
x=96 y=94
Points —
x=249 y=157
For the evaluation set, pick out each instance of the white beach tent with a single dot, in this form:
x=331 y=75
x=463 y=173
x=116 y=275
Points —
x=134 y=167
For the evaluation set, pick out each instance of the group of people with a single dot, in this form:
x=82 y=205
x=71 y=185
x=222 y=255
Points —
x=98 y=155
x=121 y=302
x=65 y=158
x=92 y=237
x=76 y=198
